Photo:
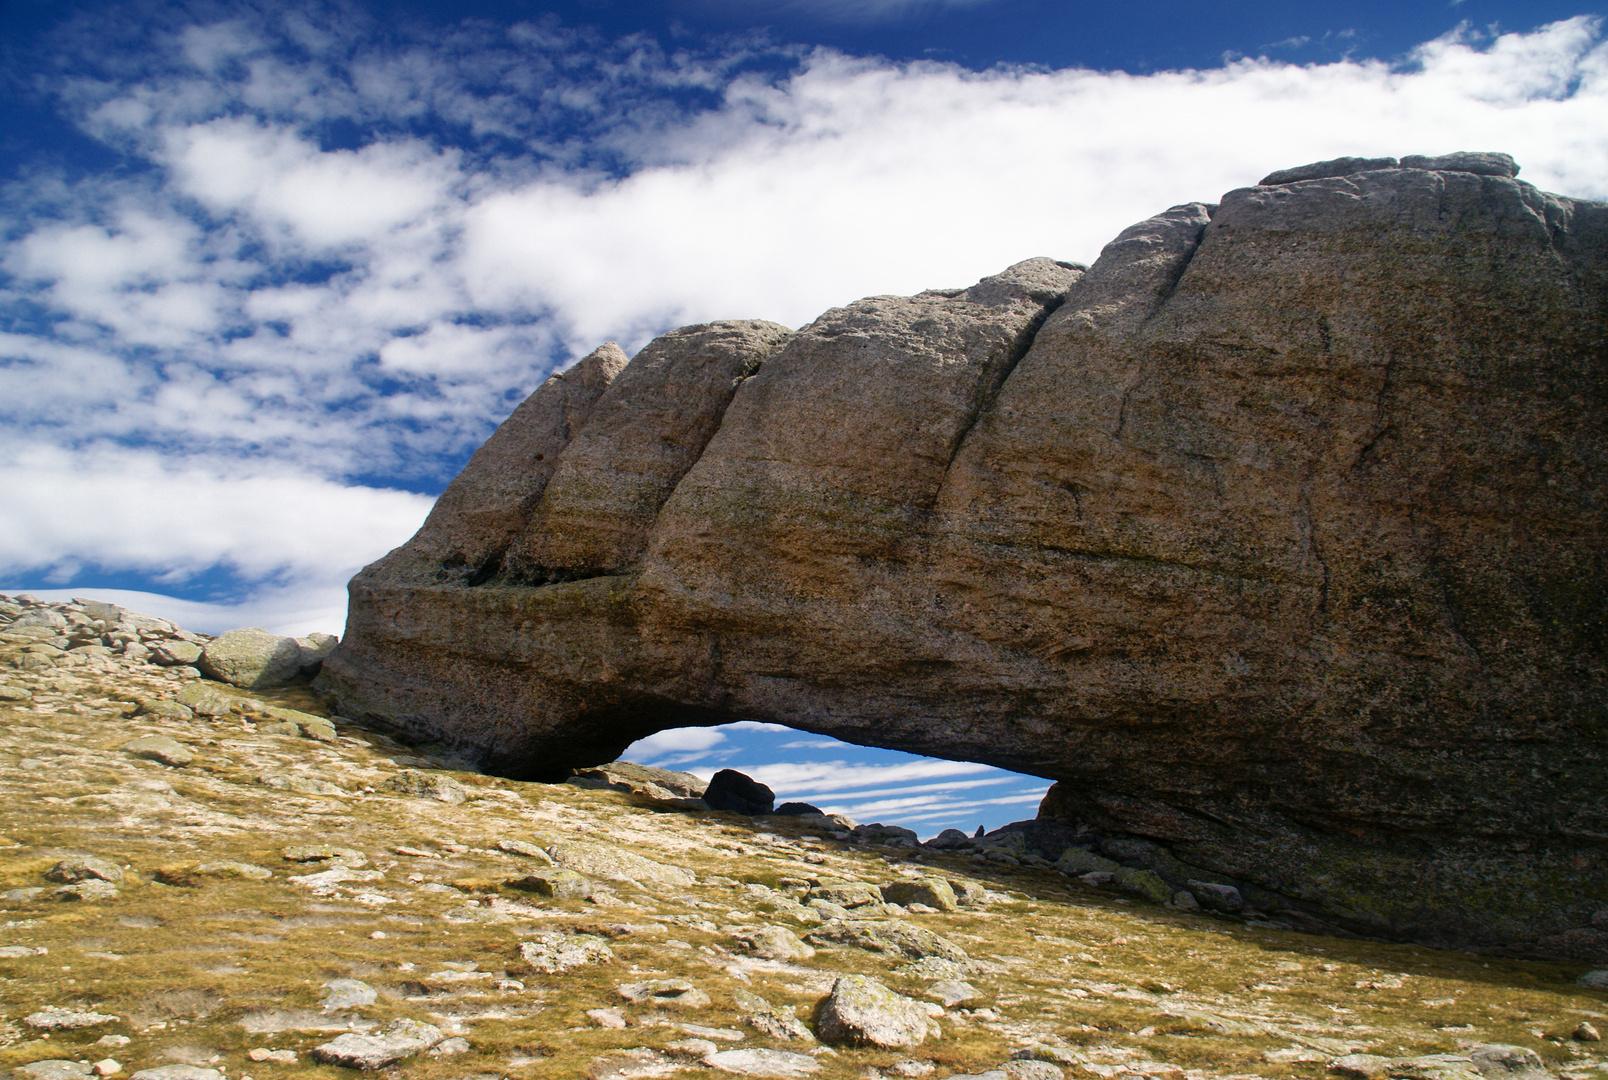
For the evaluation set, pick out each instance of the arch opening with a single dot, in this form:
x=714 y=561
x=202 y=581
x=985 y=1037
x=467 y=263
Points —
x=868 y=784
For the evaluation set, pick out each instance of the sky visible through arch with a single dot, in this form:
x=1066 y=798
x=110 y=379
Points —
x=272 y=271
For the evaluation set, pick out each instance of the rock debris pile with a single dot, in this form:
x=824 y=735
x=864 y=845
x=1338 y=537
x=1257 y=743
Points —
x=200 y=881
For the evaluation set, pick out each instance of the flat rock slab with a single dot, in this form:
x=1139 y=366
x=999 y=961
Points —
x=161 y=749
x=58 y=1019
x=53 y=1070
x=763 y=1062
x=399 y=1039
x=177 y=1072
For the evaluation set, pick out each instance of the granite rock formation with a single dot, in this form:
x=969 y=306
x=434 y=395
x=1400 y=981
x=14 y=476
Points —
x=1276 y=537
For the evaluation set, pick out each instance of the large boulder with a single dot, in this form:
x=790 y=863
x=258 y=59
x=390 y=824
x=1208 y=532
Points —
x=1276 y=537
x=252 y=658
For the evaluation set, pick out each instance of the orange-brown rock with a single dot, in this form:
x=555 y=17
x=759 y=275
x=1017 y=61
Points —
x=1276 y=537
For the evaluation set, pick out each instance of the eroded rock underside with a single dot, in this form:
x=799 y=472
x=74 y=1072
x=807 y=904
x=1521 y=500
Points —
x=1276 y=536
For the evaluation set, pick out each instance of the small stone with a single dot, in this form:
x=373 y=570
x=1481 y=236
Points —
x=557 y=883
x=851 y=894
x=1585 y=1031
x=23 y=895
x=1495 y=1061
x=953 y=992
x=165 y=708
x=55 y=1018
x=241 y=870
x=347 y=994
x=1145 y=883
x=107 y=1067
x=1597 y=980
x=161 y=749
x=774 y=943
x=691 y=1049
x=301 y=785
x=1185 y=901
x=315 y=649
x=731 y=790
x=1360 y=1066
x=278 y=727
x=613 y=1019
x=17 y=952
x=674 y=993
x=115 y=1041
x=763 y=1062
x=14 y=693
x=527 y=849
x=86 y=868
x=399 y=1039
x=861 y=1011
x=449 y=1047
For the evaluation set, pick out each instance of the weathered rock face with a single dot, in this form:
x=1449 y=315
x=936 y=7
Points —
x=1276 y=537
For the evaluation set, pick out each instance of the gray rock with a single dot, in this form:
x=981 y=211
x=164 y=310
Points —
x=1497 y=1061
x=773 y=943
x=763 y=1062
x=164 y=707
x=55 y=1018
x=85 y=868
x=53 y=1070
x=251 y=658
x=174 y=653
x=1481 y=164
x=953 y=992
x=397 y=1040
x=322 y=853
x=670 y=993
x=556 y=883
x=607 y=861
x=846 y=894
x=948 y=840
x=427 y=785
x=768 y=1020
x=1028 y=1069
x=527 y=849
x=22 y=895
x=932 y=891
x=1586 y=1031
x=14 y=693
x=691 y=1049
x=1214 y=897
x=161 y=749
x=18 y=952
x=301 y=785
x=862 y=1012
x=315 y=648
x=91 y=891
x=177 y=1072
x=1320 y=170
x=731 y=790
x=551 y=953
x=347 y=994
x=891 y=936
x=1597 y=980
x=451 y=1047
x=1145 y=883
x=228 y=869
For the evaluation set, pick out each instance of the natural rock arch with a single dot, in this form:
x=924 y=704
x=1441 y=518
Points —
x=1276 y=536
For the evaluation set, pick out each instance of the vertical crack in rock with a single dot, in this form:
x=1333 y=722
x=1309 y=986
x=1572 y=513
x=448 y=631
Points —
x=648 y=429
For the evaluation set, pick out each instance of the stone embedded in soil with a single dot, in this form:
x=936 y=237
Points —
x=347 y=994
x=177 y=1072
x=670 y=993
x=550 y=954
x=397 y=1040
x=55 y=1018
x=862 y=1012
x=72 y=871
x=761 y=1061
x=53 y=1070
x=161 y=749
x=556 y=883
x=427 y=785
x=893 y=936
x=953 y=992
x=527 y=849
x=934 y=892
x=773 y=943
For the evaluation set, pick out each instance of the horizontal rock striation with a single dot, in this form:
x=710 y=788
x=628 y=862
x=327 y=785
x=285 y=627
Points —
x=1276 y=537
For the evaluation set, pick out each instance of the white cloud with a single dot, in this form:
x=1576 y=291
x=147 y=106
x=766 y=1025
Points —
x=672 y=741
x=249 y=321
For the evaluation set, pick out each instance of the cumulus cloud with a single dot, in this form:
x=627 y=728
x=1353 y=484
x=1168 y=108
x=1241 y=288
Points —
x=336 y=257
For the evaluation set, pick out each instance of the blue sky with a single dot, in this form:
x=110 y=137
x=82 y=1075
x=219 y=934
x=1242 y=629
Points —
x=271 y=272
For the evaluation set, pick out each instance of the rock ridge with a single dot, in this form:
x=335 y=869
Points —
x=1274 y=537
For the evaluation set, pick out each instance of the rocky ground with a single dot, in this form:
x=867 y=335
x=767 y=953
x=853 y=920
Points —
x=202 y=882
